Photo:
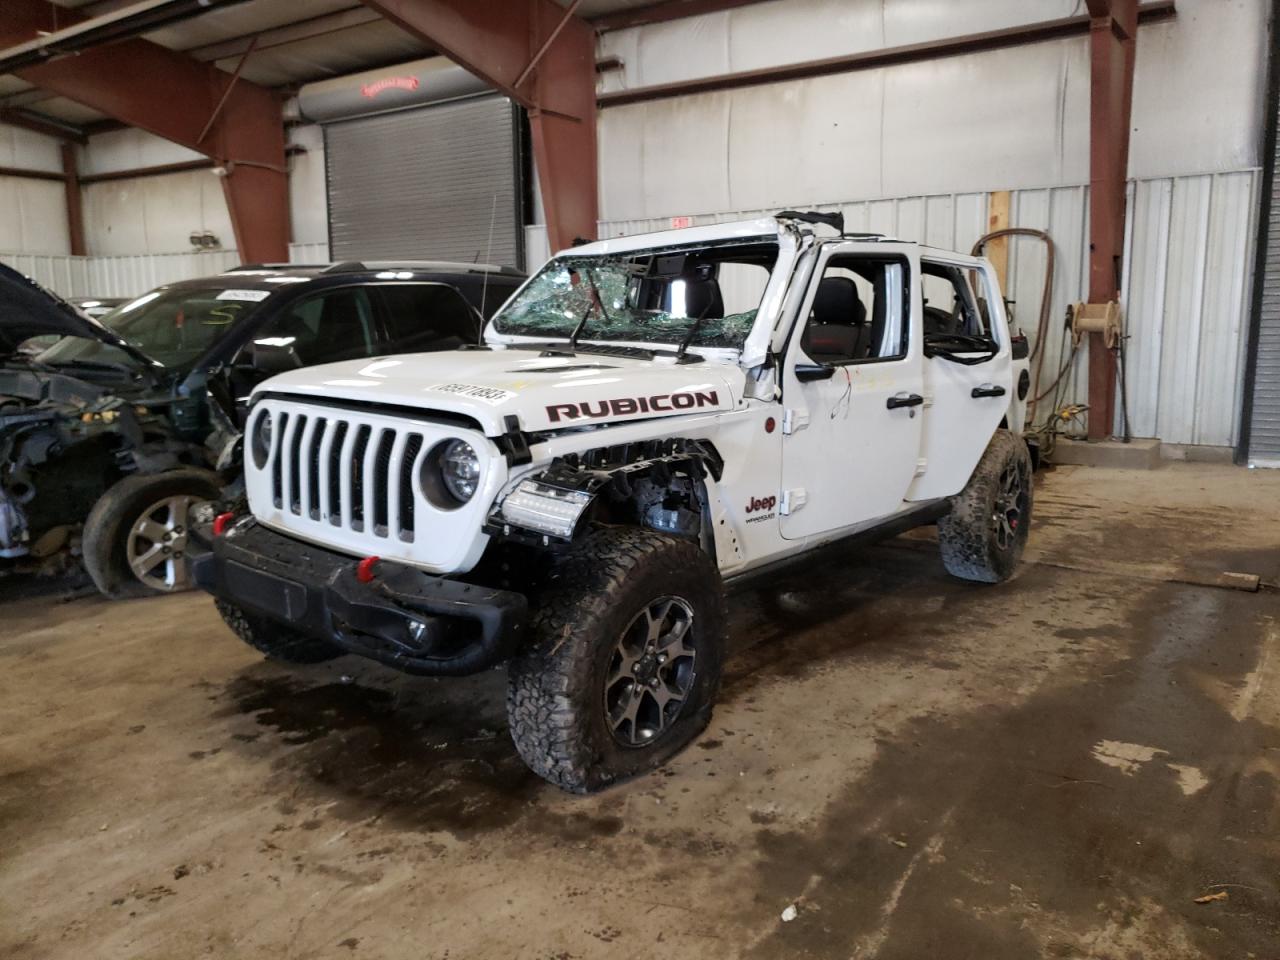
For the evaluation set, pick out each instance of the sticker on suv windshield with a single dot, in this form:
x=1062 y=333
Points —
x=490 y=395
x=253 y=296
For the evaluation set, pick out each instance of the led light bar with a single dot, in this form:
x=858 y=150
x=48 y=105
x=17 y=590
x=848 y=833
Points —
x=544 y=509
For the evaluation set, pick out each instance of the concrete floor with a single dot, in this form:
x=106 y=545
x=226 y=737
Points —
x=923 y=768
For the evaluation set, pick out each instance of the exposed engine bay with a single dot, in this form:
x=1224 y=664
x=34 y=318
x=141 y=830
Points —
x=63 y=441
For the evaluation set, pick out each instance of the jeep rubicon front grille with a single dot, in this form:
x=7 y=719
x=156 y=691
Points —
x=362 y=481
x=355 y=476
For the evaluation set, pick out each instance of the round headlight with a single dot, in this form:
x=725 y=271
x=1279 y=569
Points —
x=260 y=442
x=460 y=470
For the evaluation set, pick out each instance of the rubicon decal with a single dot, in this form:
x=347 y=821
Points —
x=624 y=406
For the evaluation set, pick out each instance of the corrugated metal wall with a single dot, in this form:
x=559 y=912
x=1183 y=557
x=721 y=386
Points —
x=1187 y=274
x=118 y=276
x=309 y=252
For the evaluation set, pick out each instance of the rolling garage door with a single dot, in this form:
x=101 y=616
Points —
x=1262 y=382
x=1264 y=429
x=427 y=184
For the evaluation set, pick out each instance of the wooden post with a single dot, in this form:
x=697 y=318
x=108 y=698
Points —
x=997 y=251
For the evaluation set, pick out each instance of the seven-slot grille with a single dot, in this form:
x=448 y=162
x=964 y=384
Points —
x=357 y=476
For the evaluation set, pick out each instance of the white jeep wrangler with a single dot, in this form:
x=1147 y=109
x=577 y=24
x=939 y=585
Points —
x=647 y=419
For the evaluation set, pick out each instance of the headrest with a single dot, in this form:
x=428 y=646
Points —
x=837 y=302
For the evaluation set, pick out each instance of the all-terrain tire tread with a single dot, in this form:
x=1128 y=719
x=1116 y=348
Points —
x=544 y=718
x=966 y=535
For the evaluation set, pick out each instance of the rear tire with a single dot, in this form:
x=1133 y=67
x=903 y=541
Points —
x=115 y=545
x=983 y=536
x=275 y=640
x=623 y=661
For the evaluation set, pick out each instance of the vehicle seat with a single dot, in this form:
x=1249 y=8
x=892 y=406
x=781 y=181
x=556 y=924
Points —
x=837 y=328
x=700 y=295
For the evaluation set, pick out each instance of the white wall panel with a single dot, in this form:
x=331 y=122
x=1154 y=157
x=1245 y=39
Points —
x=1186 y=299
x=1198 y=90
x=308 y=197
x=32 y=151
x=1004 y=119
x=1185 y=291
x=147 y=214
x=33 y=216
x=789 y=31
x=309 y=252
x=118 y=276
x=130 y=149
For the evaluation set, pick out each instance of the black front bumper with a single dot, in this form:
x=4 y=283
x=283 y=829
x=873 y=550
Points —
x=404 y=618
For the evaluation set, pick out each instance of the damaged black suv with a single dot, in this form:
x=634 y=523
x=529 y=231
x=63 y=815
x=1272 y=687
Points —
x=111 y=435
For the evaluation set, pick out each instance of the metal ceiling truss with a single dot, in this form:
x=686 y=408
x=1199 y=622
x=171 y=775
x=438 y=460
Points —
x=237 y=124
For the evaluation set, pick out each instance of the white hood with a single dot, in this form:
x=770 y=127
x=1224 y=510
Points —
x=545 y=392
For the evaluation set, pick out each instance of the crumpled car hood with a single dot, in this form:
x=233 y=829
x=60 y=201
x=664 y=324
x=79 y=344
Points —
x=29 y=310
x=545 y=391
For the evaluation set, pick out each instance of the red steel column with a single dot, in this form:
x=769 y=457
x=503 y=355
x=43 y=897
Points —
x=173 y=96
x=1112 y=40
x=543 y=57
x=75 y=204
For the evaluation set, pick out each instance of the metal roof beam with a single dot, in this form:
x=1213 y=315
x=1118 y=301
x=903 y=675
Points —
x=174 y=96
x=42 y=123
x=663 y=12
x=296 y=32
x=123 y=24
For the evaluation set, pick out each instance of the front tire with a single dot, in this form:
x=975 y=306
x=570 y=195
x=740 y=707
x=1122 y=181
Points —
x=983 y=536
x=136 y=534
x=623 y=661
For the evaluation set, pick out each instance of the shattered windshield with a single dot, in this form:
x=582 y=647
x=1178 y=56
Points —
x=174 y=327
x=650 y=296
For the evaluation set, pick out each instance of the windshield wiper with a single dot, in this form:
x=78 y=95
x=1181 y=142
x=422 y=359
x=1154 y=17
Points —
x=693 y=331
x=596 y=303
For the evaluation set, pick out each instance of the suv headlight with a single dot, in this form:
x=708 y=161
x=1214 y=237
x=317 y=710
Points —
x=260 y=440
x=460 y=470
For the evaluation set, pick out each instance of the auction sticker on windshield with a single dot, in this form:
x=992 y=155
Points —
x=253 y=296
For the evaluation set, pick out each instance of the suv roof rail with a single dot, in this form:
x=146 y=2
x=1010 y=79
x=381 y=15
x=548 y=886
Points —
x=427 y=266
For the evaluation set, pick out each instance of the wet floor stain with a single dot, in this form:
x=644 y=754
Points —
x=1019 y=842
x=381 y=751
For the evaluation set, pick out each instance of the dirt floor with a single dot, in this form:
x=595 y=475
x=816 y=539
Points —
x=1059 y=766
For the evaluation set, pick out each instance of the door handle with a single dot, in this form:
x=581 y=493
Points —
x=904 y=400
x=987 y=390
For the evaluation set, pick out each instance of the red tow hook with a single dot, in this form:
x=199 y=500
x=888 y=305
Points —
x=364 y=569
x=220 y=523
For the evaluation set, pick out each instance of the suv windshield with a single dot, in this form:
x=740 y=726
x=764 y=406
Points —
x=649 y=296
x=174 y=327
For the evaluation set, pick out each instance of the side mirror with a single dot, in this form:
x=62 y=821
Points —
x=806 y=372
x=272 y=356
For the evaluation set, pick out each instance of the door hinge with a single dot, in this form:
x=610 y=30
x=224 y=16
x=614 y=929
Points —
x=792 y=500
x=794 y=421
x=921 y=466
